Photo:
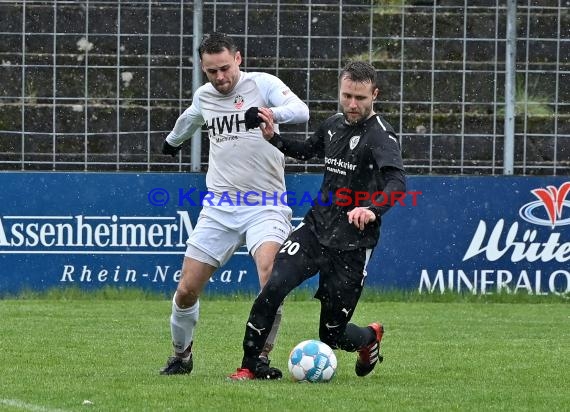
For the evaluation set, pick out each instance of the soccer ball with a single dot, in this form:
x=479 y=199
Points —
x=312 y=361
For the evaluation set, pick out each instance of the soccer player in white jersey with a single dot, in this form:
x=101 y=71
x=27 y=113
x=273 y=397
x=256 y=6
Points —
x=240 y=161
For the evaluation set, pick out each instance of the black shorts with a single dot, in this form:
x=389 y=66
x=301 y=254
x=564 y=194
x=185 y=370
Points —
x=341 y=273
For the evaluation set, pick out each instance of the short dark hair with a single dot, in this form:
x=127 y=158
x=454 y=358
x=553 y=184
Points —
x=216 y=43
x=359 y=71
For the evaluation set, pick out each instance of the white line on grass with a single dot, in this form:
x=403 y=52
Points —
x=27 y=406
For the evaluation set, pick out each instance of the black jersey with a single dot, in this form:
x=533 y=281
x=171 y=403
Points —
x=363 y=158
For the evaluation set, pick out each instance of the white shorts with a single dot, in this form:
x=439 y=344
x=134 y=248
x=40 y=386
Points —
x=220 y=231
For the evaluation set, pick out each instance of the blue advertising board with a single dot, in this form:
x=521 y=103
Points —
x=477 y=235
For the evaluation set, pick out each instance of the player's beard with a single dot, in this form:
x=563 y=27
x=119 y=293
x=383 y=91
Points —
x=227 y=86
x=354 y=118
x=223 y=88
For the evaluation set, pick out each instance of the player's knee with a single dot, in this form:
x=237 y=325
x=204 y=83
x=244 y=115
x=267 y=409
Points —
x=264 y=272
x=275 y=285
x=186 y=296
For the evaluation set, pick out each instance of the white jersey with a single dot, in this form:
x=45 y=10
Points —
x=241 y=160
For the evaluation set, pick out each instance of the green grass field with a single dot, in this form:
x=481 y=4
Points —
x=57 y=353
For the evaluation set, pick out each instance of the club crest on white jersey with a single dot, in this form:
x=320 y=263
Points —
x=238 y=102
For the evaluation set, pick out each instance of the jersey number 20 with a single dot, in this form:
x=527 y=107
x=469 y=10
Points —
x=290 y=247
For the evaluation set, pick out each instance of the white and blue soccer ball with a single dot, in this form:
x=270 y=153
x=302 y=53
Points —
x=312 y=361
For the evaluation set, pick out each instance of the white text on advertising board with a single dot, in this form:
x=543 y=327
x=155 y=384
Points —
x=530 y=249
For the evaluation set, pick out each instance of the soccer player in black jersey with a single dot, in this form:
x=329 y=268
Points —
x=363 y=172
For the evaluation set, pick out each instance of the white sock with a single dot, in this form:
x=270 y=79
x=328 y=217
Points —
x=272 y=337
x=182 y=324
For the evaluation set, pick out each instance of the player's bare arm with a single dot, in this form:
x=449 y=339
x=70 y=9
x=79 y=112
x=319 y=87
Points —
x=360 y=217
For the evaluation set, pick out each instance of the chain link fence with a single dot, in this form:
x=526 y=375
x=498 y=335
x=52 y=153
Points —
x=97 y=85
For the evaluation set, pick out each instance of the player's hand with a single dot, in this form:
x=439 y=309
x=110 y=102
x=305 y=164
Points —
x=168 y=149
x=252 y=119
x=267 y=125
x=360 y=217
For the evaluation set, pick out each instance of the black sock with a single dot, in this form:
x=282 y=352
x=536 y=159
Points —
x=249 y=362
x=357 y=337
